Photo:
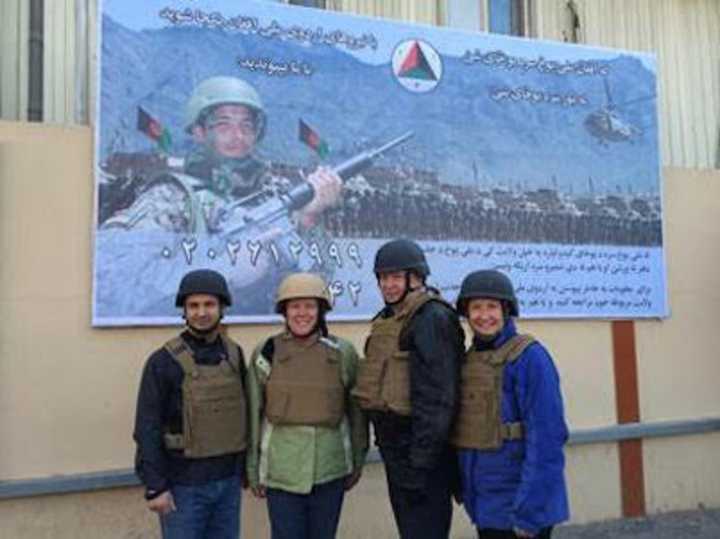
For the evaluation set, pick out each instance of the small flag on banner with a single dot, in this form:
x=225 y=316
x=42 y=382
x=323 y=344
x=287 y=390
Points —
x=154 y=129
x=310 y=137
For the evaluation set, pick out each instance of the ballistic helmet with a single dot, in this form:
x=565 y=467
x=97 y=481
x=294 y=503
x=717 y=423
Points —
x=491 y=284
x=302 y=285
x=223 y=91
x=401 y=255
x=203 y=281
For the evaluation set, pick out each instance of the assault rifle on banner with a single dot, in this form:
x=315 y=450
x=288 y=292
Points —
x=275 y=213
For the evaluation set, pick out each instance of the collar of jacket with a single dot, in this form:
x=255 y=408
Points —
x=202 y=339
x=391 y=310
x=506 y=333
x=304 y=342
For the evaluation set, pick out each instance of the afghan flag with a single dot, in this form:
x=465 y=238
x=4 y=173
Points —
x=310 y=137
x=154 y=129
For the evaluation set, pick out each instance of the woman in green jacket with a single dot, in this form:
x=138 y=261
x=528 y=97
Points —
x=308 y=439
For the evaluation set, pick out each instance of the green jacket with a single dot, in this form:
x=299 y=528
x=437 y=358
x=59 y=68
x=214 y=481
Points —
x=294 y=458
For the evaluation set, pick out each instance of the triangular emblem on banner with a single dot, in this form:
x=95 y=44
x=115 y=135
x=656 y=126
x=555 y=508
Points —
x=416 y=66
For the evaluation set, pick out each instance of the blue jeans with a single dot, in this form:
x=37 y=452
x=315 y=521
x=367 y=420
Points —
x=207 y=511
x=306 y=516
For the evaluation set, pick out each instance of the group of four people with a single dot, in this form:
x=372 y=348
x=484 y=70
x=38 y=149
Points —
x=483 y=425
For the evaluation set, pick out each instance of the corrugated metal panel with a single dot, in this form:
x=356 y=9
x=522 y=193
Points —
x=14 y=40
x=685 y=35
x=92 y=60
x=427 y=11
x=552 y=19
x=82 y=64
x=58 y=60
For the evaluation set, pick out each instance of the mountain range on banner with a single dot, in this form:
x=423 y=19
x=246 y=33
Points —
x=459 y=131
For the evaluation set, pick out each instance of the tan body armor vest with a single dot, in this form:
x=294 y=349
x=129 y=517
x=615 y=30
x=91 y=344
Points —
x=305 y=385
x=479 y=422
x=383 y=381
x=214 y=404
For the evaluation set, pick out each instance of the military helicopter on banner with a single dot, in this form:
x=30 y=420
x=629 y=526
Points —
x=607 y=125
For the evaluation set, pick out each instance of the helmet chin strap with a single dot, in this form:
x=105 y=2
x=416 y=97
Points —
x=408 y=290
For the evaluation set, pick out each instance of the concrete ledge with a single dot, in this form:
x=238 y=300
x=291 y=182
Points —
x=63 y=484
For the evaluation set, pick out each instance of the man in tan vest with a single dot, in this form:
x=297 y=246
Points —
x=408 y=385
x=191 y=420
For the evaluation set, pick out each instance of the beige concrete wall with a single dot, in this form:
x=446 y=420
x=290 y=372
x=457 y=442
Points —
x=67 y=391
x=582 y=351
x=682 y=473
x=678 y=358
x=121 y=514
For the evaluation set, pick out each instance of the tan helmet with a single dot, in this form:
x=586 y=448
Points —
x=302 y=285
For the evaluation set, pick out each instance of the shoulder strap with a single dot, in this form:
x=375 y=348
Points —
x=279 y=347
x=235 y=358
x=417 y=304
x=181 y=352
x=514 y=347
x=332 y=348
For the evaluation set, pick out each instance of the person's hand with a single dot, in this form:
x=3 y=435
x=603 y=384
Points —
x=328 y=188
x=259 y=491
x=522 y=533
x=352 y=479
x=162 y=504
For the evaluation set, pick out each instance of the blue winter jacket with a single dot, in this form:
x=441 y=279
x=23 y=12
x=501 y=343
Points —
x=521 y=483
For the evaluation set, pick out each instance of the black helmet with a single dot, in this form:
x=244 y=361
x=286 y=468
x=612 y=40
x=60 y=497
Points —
x=399 y=255
x=487 y=284
x=203 y=281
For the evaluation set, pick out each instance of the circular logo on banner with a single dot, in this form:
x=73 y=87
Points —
x=416 y=65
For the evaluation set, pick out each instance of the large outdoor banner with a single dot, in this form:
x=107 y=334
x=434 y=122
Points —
x=259 y=139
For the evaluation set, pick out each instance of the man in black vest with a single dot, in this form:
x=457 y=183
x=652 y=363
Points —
x=191 y=419
x=409 y=387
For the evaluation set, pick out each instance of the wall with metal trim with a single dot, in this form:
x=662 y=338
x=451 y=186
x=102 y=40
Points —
x=67 y=392
x=685 y=35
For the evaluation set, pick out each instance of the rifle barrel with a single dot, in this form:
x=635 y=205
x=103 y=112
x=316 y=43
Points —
x=301 y=195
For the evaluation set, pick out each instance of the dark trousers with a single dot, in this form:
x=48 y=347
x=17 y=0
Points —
x=306 y=516
x=489 y=533
x=424 y=514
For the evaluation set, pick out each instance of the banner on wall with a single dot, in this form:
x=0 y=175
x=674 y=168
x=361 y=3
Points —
x=223 y=126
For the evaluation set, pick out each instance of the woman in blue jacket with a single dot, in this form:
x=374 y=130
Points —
x=511 y=427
